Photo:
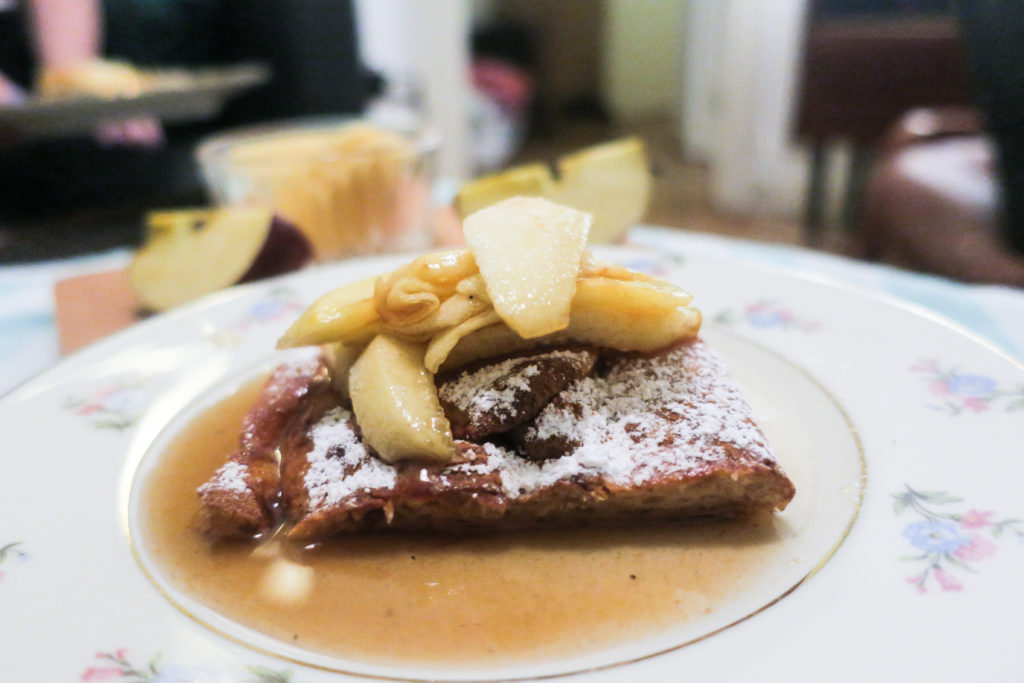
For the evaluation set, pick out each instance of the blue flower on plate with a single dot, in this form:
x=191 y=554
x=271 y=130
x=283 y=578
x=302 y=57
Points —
x=648 y=265
x=267 y=309
x=937 y=536
x=977 y=386
x=764 y=318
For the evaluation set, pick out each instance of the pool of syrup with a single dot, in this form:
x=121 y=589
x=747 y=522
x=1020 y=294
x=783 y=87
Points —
x=401 y=599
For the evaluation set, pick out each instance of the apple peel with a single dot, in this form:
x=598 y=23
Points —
x=193 y=252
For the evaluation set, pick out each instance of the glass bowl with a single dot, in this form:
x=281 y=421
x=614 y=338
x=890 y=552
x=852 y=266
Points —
x=352 y=186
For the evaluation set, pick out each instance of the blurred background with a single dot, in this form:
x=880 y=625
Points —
x=791 y=121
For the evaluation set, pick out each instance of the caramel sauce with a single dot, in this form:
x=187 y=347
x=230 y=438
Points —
x=401 y=599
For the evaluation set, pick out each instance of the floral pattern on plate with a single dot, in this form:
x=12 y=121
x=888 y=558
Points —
x=114 y=406
x=655 y=264
x=765 y=314
x=959 y=391
x=9 y=552
x=276 y=304
x=117 y=666
x=948 y=540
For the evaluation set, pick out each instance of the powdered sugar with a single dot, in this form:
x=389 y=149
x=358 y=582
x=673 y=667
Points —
x=305 y=363
x=643 y=418
x=700 y=415
x=339 y=464
x=229 y=477
x=495 y=388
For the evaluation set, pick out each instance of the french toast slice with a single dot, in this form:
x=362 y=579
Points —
x=239 y=499
x=626 y=438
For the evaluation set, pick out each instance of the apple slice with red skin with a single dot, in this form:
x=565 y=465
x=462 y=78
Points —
x=193 y=252
x=286 y=249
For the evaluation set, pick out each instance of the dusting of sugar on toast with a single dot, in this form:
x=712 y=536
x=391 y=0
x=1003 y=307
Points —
x=610 y=430
x=339 y=464
x=229 y=477
x=495 y=387
x=607 y=421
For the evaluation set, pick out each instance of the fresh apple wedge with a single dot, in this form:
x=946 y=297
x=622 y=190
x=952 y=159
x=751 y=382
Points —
x=529 y=252
x=610 y=181
x=191 y=253
x=531 y=180
x=396 y=403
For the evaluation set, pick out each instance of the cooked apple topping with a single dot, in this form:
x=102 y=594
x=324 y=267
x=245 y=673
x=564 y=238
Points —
x=396 y=403
x=414 y=292
x=526 y=281
x=529 y=252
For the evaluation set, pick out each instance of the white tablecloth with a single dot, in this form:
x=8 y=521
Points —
x=28 y=336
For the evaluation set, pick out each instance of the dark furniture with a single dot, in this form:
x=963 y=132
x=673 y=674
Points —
x=947 y=194
x=932 y=202
x=859 y=75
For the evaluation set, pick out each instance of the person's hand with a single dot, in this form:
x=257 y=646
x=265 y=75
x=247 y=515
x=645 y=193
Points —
x=10 y=94
x=145 y=132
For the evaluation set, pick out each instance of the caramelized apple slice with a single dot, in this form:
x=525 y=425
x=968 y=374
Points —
x=629 y=295
x=442 y=344
x=416 y=290
x=346 y=314
x=493 y=340
x=629 y=316
x=614 y=314
x=340 y=358
x=396 y=403
x=529 y=252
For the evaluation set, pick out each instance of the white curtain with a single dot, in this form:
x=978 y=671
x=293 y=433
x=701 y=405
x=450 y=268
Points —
x=741 y=66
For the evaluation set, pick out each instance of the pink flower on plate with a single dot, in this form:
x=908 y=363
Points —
x=940 y=387
x=926 y=365
x=975 y=519
x=947 y=581
x=976 y=404
x=917 y=581
x=102 y=673
x=977 y=549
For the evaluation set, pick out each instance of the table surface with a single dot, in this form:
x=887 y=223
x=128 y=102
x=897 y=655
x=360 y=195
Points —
x=29 y=344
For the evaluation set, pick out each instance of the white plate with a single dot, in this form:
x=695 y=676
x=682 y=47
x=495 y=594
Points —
x=924 y=586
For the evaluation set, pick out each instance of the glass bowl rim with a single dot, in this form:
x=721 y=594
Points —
x=213 y=151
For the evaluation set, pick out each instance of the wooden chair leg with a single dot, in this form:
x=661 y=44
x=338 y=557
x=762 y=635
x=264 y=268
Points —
x=814 y=207
x=853 y=203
